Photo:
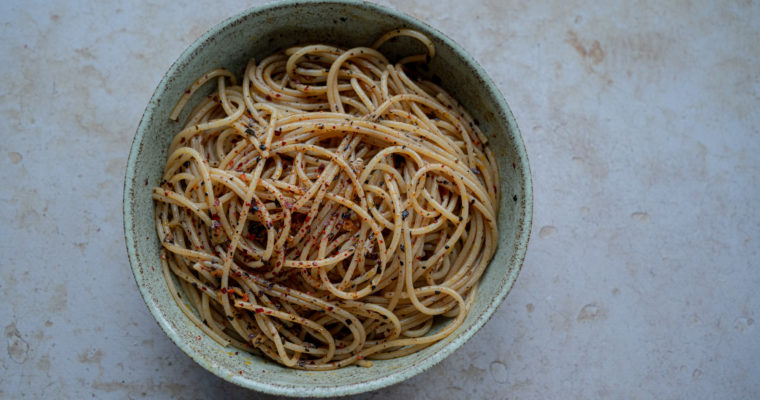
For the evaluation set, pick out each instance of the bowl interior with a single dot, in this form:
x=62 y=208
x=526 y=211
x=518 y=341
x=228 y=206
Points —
x=257 y=33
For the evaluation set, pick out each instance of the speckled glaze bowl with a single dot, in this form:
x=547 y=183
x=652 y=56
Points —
x=259 y=32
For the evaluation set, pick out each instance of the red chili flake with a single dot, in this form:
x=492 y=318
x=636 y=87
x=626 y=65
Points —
x=259 y=310
x=224 y=290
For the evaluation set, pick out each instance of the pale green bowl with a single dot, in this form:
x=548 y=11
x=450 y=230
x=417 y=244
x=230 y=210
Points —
x=259 y=32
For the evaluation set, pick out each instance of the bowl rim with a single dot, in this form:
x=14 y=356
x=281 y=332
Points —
x=520 y=246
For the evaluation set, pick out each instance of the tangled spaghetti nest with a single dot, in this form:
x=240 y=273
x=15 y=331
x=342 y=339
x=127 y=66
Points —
x=328 y=209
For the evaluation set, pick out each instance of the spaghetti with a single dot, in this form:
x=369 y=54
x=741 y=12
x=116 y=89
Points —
x=328 y=209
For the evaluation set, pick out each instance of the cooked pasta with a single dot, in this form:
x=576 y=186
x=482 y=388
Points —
x=328 y=208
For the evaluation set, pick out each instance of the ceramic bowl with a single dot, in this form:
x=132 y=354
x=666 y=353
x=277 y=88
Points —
x=259 y=32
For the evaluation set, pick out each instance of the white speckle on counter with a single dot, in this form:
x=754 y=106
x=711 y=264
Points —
x=547 y=231
x=642 y=126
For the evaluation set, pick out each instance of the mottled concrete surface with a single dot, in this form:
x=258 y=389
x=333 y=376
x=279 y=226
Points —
x=641 y=120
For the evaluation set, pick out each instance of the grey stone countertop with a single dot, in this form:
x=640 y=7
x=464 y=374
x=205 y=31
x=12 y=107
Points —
x=642 y=123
